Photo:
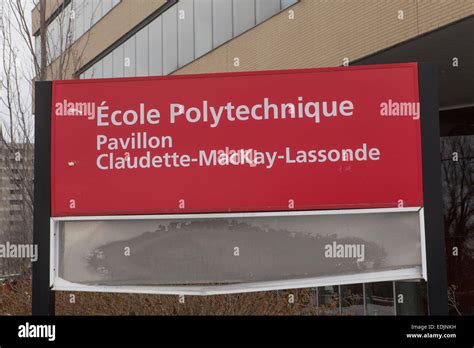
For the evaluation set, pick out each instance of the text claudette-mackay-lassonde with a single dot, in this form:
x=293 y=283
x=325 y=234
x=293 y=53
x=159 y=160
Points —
x=147 y=149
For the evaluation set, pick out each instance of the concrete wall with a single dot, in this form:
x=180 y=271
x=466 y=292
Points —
x=119 y=21
x=51 y=6
x=322 y=33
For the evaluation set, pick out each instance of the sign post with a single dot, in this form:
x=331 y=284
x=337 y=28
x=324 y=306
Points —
x=42 y=296
x=432 y=191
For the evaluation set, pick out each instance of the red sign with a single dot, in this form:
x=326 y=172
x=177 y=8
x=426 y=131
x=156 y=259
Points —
x=274 y=140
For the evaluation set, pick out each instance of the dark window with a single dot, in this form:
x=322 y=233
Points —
x=379 y=298
x=328 y=300
x=352 y=299
x=457 y=168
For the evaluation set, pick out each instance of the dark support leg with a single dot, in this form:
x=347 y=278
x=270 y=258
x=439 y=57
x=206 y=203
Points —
x=432 y=191
x=43 y=297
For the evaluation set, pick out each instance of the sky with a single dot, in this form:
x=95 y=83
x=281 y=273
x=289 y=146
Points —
x=24 y=59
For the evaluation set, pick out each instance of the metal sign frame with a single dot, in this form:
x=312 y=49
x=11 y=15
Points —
x=43 y=294
x=408 y=273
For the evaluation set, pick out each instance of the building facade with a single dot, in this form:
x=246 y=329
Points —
x=131 y=38
x=16 y=175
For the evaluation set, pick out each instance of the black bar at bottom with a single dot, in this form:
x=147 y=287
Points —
x=419 y=331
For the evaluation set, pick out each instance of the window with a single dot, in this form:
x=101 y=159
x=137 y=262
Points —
x=97 y=70
x=170 y=40
x=38 y=48
x=108 y=68
x=96 y=11
x=187 y=31
x=88 y=74
x=379 y=298
x=266 y=9
x=222 y=20
x=88 y=22
x=457 y=172
x=106 y=6
x=203 y=25
x=328 y=300
x=53 y=40
x=287 y=3
x=66 y=27
x=244 y=15
x=410 y=298
x=129 y=58
x=118 y=61
x=352 y=299
x=156 y=47
x=142 y=52
x=71 y=23
x=78 y=18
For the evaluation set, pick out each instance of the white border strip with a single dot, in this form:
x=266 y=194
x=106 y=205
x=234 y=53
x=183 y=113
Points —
x=235 y=215
x=53 y=241
x=393 y=275
x=423 y=244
